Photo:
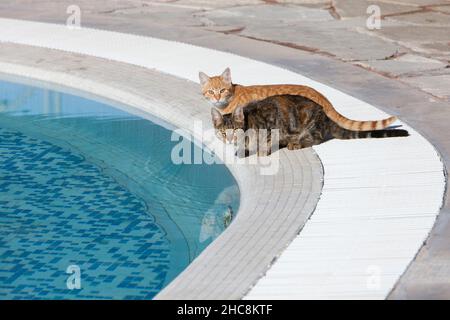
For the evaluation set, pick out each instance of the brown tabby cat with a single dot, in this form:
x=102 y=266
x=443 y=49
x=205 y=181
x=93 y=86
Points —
x=226 y=96
x=302 y=123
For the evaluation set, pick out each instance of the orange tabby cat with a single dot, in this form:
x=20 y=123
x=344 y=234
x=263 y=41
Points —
x=226 y=96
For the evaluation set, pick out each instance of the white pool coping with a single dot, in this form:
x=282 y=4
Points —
x=380 y=197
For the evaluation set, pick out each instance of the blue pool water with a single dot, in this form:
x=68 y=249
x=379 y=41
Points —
x=86 y=184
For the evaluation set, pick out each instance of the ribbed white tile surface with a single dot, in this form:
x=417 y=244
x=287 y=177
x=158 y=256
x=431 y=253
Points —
x=379 y=201
x=380 y=197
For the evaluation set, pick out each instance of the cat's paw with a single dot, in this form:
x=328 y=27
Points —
x=294 y=146
x=264 y=153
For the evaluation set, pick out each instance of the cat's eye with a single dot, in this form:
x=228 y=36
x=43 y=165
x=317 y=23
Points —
x=210 y=92
x=222 y=91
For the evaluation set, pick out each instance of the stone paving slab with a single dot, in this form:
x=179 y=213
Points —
x=407 y=63
x=351 y=9
x=205 y=4
x=261 y=15
x=443 y=8
x=428 y=18
x=321 y=38
x=418 y=3
x=436 y=85
x=415 y=35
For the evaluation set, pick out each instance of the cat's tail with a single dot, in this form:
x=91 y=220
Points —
x=356 y=125
x=341 y=133
x=344 y=122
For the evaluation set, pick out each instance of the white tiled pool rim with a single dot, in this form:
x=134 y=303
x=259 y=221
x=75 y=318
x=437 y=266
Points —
x=380 y=197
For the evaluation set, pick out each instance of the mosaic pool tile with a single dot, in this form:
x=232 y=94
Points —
x=41 y=238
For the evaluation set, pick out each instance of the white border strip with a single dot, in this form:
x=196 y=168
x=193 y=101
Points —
x=380 y=197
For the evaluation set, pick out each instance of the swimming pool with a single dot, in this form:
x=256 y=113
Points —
x=84 y=183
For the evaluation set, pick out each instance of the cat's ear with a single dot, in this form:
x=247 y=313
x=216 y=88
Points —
x=203 y=78
x=238 y=114
x=216 y=117
x=226 y=75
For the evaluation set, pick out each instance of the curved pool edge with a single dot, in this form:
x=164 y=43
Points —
x=366 y=179
x=247 y=243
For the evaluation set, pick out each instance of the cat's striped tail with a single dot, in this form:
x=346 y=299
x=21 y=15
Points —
x=341 y=133
x=341 y=120
x=350 y=124
x=356 y=125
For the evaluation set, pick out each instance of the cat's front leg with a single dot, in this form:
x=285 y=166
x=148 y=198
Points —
x=242 y=153
x=264 y=153
x=266 y=149
x=294 y=145
x=294 y=142
x=307 y=141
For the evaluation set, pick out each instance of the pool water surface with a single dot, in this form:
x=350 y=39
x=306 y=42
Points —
x=91 y=185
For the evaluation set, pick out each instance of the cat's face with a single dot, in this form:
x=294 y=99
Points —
x=217 y=90
x=226 y=126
